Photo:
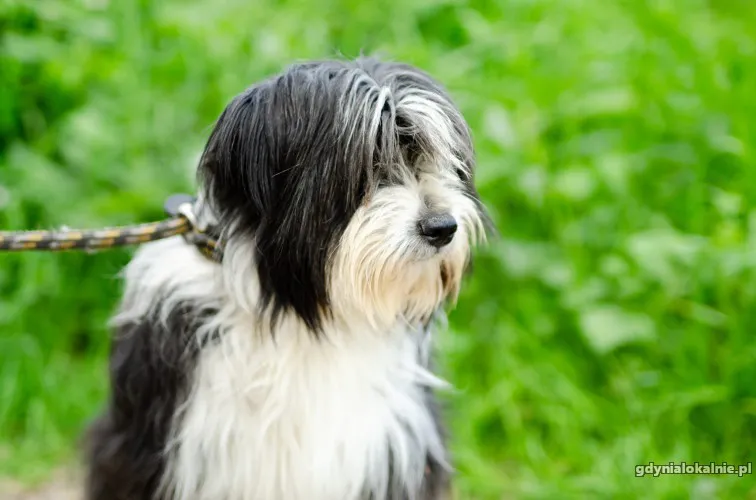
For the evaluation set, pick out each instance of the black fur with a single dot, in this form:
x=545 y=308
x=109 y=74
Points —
x=150 y=366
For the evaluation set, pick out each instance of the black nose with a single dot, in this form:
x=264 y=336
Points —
x=438 y=229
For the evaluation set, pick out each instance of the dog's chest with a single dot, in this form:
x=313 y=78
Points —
x=304 y=419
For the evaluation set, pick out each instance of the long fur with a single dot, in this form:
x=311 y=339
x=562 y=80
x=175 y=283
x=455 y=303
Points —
x=298 y=368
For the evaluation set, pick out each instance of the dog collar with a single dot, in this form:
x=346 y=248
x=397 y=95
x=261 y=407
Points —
x=204 y=236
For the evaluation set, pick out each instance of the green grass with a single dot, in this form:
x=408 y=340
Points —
x=610 y=325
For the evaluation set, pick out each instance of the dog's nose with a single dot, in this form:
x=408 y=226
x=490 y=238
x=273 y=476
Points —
x=438 y=229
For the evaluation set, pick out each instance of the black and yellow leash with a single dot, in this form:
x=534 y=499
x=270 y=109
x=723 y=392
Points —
x=181 y=222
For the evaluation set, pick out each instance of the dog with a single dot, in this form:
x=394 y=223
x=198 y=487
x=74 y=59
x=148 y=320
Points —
x=299 y=367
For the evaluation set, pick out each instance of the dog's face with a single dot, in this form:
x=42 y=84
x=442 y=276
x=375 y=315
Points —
x=353 y=183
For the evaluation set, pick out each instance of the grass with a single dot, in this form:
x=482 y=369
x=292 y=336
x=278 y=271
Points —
x=609 y=326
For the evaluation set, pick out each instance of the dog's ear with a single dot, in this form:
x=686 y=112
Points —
x=286 y=166
x=235 y=166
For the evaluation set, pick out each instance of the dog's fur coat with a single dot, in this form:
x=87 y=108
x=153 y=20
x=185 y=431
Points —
x=298 y=368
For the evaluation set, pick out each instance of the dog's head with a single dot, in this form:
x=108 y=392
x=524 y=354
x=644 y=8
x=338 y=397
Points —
x=352 y=182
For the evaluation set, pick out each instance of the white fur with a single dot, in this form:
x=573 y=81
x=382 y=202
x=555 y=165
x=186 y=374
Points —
x=291 y=418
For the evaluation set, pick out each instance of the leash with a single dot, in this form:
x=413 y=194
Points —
x=182 y=221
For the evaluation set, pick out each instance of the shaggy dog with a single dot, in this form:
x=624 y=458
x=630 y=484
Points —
x=298 y=367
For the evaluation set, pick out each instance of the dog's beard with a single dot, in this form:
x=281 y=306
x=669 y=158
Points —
x=384 y=271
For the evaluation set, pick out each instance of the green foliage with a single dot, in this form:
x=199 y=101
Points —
x=607 y=326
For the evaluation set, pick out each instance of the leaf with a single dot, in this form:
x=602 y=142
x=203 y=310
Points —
x=607 y=328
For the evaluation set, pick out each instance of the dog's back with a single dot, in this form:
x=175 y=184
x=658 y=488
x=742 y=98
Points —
x=152 y=357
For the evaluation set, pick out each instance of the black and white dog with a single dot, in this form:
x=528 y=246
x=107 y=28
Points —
x=297 y=368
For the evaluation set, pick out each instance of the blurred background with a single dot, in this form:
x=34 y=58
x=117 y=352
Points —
x=611 y=325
